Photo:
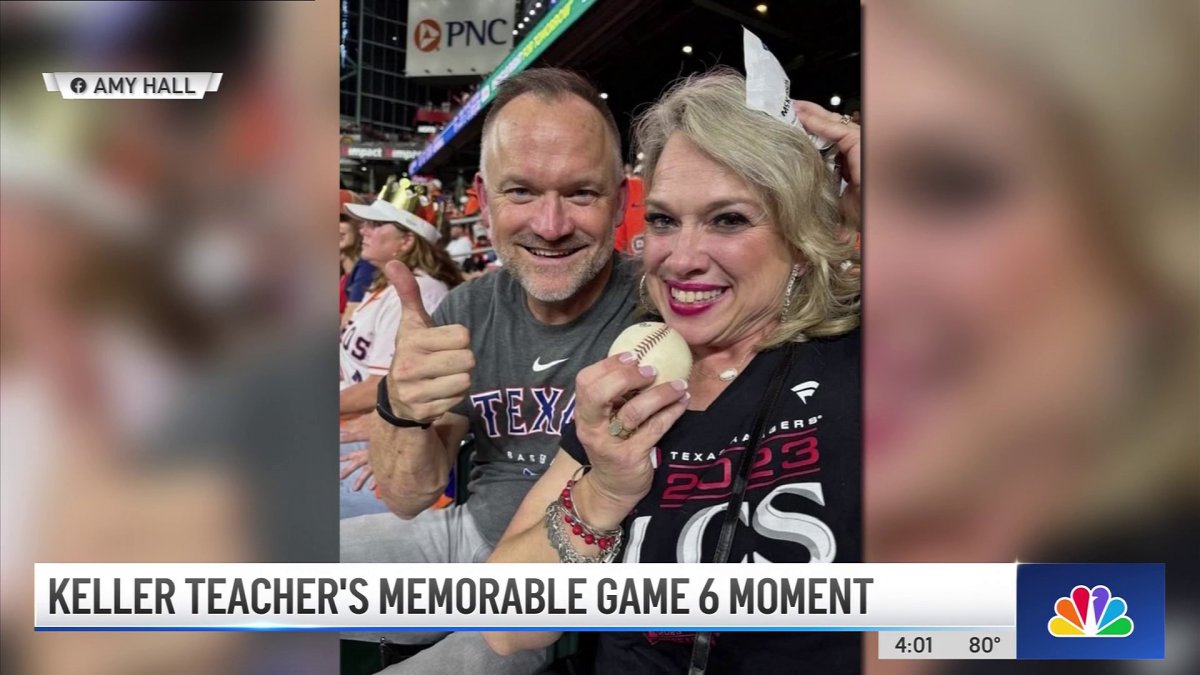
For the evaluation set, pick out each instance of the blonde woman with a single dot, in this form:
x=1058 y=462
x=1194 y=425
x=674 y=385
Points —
x=1034 y=281
x=745 y=254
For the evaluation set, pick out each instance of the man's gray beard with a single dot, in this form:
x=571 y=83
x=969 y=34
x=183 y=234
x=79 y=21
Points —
x=577 y=282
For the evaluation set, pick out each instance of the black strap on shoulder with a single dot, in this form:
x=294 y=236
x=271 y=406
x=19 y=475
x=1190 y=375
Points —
x=703 y=641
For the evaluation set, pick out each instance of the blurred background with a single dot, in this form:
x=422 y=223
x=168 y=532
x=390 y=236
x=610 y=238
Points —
x=1032 y=281
x=166 y=350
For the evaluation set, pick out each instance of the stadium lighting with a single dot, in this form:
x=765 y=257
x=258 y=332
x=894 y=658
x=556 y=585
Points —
x=761 y=9
x=604 y=95
x=835 y=100
x=687 y=49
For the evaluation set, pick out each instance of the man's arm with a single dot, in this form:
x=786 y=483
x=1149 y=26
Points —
x=429 y=375
x=412 y=465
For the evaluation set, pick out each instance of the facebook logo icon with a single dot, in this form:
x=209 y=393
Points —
x=78 y=85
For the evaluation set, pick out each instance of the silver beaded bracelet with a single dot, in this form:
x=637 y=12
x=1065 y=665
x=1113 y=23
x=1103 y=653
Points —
x=560 y=534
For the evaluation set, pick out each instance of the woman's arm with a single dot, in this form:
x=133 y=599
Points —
x=526 y=539
x=620 y=477
x=359 y=398
x=520 y=543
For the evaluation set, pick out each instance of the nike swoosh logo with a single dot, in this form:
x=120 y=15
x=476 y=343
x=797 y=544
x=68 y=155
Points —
x=538 y=366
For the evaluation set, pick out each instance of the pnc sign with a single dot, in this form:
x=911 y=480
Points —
x=428 y=35
x=466 y=37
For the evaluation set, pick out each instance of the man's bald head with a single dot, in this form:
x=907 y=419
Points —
x=550 y=85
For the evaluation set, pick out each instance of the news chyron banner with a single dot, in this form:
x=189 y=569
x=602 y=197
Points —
x=140 y=85
x=922 y=611
x=465 y=37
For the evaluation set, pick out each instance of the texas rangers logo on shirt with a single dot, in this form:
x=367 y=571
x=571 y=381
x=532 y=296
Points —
x=524 y=411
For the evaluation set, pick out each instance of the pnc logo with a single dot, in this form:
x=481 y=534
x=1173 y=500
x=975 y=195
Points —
x=427 y=35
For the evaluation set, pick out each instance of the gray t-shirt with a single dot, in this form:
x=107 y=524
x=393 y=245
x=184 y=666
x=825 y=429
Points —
x=523 y=386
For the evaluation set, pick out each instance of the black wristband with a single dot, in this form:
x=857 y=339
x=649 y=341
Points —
x=383 y=406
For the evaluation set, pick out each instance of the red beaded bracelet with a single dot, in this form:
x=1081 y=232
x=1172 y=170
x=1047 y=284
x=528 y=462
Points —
x=604 y=539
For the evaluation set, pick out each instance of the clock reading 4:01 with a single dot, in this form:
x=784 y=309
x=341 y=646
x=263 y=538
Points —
x=917 y=645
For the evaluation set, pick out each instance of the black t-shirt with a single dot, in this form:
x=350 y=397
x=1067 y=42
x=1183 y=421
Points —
x=803 y=503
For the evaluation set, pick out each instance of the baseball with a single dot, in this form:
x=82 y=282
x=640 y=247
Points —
x=656 y=344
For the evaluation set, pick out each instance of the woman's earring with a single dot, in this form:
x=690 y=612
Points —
x=787 y=294
x=644 y=298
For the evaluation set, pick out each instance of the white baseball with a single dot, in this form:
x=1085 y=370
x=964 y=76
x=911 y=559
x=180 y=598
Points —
x=656 y=344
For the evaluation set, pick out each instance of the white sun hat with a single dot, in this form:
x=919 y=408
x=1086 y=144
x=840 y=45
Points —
x=384 y=209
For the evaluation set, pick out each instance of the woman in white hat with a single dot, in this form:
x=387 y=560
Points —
x=369 y=338
x=367 y=342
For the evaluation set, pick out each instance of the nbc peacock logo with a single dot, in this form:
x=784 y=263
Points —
x=1090 y=612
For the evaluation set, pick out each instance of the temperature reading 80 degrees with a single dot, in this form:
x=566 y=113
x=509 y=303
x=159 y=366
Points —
x=983 y=645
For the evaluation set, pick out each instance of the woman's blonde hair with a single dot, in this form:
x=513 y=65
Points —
x=429 y=258
x=1127 y=126
x=783 y=167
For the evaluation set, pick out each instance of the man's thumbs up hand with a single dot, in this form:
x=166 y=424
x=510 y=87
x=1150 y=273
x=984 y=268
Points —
x=413 y=310
x=431 y=369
